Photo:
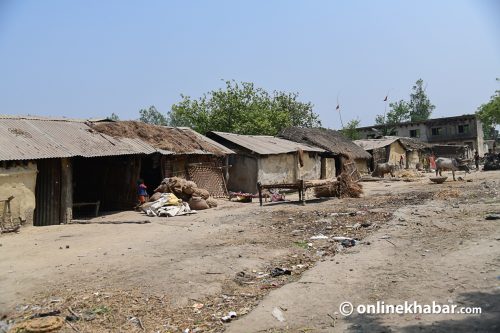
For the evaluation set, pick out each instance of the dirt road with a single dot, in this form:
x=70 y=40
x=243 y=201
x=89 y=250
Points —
x=188 y=272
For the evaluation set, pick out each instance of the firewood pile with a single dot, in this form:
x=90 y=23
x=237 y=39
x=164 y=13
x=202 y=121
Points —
x=343 y=187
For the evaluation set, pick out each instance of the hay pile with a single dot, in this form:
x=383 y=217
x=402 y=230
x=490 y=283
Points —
x=344 y=187
x=178 y=140
x=407 y=173
x=188 y=191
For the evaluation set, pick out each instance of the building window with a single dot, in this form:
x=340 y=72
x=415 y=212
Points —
x=437 y=131
x=462 y=129
x=415 y=133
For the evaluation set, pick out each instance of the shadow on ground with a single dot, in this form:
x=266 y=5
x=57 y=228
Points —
x=488 y=321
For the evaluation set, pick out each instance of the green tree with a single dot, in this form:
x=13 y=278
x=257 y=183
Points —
x=420 y=106
x=489 y=114
x=350 y=130
x=152 y=116
x=244 y=109
x=114 y=117
x=399 y=112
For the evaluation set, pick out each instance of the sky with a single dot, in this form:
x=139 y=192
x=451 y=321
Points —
x=84 y=59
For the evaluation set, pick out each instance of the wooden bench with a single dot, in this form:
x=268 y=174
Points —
x=300 y=185
x=81 y=204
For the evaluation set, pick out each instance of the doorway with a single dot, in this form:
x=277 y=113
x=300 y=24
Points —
x=151 y=172
x=48 y=193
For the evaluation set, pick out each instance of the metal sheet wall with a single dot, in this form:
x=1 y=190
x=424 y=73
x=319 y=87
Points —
x=48 y=193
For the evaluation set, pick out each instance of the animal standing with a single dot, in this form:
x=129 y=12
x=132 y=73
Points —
x=382 y=168
x=450 y=164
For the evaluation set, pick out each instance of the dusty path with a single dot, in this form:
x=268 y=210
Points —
x=443 y=251
x=160 y=271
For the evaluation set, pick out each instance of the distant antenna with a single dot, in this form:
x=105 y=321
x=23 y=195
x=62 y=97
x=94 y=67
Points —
x=340 y=113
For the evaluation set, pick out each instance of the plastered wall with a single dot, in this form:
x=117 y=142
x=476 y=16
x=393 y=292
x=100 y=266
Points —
x=19 y=181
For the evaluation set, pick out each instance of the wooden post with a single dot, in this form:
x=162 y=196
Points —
x=66 y=190
x=301 y=190
x=259 y=187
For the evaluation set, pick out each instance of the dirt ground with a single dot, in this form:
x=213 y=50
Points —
x=417 y=241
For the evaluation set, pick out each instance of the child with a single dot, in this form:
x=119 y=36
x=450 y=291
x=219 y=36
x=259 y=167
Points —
x=142 y=192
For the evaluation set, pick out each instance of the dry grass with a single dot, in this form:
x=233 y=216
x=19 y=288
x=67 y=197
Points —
x=446 y=194
x=342 y=188
x=182 y=141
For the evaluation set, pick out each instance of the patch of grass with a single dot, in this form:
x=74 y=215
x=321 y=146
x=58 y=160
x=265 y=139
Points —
x=302 y=244
x=100 y=310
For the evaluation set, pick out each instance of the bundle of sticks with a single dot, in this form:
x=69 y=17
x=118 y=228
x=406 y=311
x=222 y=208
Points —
x=343 y=187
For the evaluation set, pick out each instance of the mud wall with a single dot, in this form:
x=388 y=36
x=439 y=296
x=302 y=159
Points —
x=395 y=153
x=412 y=158
x=328 y=168
x=284 y=168
x=19 y=181
x=242 y=174
x=362 y=166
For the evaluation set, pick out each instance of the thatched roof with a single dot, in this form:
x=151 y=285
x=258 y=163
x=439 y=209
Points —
x=407 y=143
x=413 y=144
x=327 y=139
x=180 y=140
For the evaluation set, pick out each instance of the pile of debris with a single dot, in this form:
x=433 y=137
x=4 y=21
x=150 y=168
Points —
x=344 y=187
x=177 y=196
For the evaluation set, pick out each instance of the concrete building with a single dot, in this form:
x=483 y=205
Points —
x=268 y=160
x=466 y=130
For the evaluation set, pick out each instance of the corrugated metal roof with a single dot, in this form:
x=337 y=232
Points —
x=266 y=145
x=23 y=138
x=370 y=144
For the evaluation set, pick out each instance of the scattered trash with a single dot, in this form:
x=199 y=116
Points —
x=168 y=205
x=320 y=236
x=494 y=216
x=348 y=243
x=198 y=305
x=230 y=316
x=275 y=272
x=46 y=314
x=137 y=321
x=278 y=314
x=5 y=326
x=341 y=238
